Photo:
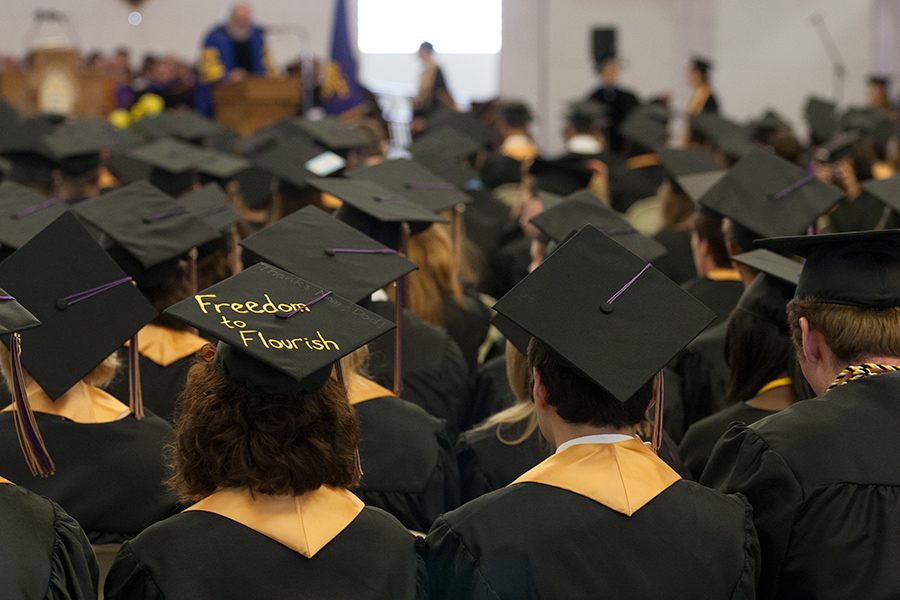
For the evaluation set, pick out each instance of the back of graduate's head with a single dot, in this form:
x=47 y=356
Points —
x=578 y=400
x=706 y=228
x=229 y=435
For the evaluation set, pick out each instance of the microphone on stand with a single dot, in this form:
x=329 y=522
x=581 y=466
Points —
x=834 y=55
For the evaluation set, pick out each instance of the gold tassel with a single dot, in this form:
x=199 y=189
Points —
x=30 y=440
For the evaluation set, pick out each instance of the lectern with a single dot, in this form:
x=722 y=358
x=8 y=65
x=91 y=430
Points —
x=248 y=105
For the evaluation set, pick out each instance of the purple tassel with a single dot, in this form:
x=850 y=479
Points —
x=36 y=455
x=135 y=397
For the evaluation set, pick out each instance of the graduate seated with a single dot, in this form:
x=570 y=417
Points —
x=267 y=444
x=717 y=284
x=823 y=475
x=47 y=554
x=109 y=459
x=603 y=516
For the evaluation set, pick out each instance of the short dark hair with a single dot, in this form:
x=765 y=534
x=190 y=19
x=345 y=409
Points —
x=708 y=227
x=230 y=436
x=577 y=399
x=427 y=47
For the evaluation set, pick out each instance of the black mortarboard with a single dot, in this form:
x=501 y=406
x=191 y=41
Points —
x=375 y=210
x=768 y=122
x=853 y=269
x=608 y=313
x=24 y=213
x=774 y=264
x=837 y=147
x=444 y=143
x=770 y=196
x=517 y=336
x=468 y=124
x=415 y=182
x=702 y=64
x=583 y=208
x=211 y=205
x=820 y=117
x=770 y=291
x=685 y=161
x=287 y=159
x=9 y=116
x=25 y=137
x=731 y=138
x=280 y=334
x=255 y=186
x=696 y=185
x=314 y=245
x=87 y=306
x=646 y=133
x=218 y=166
x=499 y=169
x=562 y=177
x=516 y=114
x=127 y=169
x=76 y=145
x=171 y=162
x=13 y=316
x=189 y=126
x=879 y=79
x=334 y=134
x=149 y=226
x=586 y=114
x=886 y=190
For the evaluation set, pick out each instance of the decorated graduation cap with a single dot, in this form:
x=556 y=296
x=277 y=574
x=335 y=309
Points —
x=767 y=296
x=609 y=314
x=821 y=118
x=583 y=208
x=87 y=305
x=24 y=213
x=376 y=210
x=685 y=161
x=333 y=133
x=151 y=232
x=171 y=163
x=15 y=318
x=279 y=334
x=770 y=196
x=853 y=269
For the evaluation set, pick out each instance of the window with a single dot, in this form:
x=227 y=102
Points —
x=452 y=26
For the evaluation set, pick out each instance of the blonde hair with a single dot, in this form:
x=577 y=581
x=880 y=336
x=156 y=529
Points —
x=100 y=376
x=850 y=332
x=675 y=207
x=432 y=251
x=518 y=373
x=354 y=363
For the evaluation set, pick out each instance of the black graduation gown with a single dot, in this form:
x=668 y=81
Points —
x=467 y=323
x=619 y=104
x=678 y=264
x=205 y=556
x=408 y=466
x=720 y=296
x=531 y=540
x=823 y=477
x=490 y=391
x=487 y=464
x=701 y=375
x=109 y=476
x=160 y=386
x=45 y=554
x=435 y=375
x=701 y=437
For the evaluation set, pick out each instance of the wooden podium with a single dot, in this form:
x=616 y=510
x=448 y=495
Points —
x=246 y=106
x=57 y=84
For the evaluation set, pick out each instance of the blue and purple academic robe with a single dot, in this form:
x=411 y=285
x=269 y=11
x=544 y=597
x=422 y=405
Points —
x=219 y=59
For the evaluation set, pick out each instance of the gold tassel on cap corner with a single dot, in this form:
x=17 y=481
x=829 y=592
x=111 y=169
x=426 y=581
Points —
x=30 y=440
x=135 y=396
x=658 y=396
x=192 y=269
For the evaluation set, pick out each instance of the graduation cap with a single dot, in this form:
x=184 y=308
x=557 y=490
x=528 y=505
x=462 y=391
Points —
x=314 y=245
x=583 y=208
x=886 y=190
x=499 y=169
x=879 y=79
x=279 y=334
x=375 y=210
x=171 y=163
x=852 y=269
x=443 y=143
x=517 y=114
x=586 y=114
x=150 y=230
x=561 y=176
x=189 y=126
x=862 y=120
x=86 y=304
x=287 y=160
x=837 y=147
x=769 y=122
x=467 y=123
x=333 y=133
x=696 y=185
x=213 y=165
x=731 y=138
x=15 y=318
x=255 y=185
x=514 y=334
x=685 y=161
x=415 y=182
x=25 y=137
x=820 y=116
x=76 y=145
x=767 y=296
x=127 y=169
x=593 y=297
x=9 y=117
x=645 y=132
x=770 y=196
x=211 y=205
x=24 y=213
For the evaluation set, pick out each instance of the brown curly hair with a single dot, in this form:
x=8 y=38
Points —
x=229 y=436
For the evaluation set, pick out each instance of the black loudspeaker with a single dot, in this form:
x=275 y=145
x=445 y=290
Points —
x=604 y=43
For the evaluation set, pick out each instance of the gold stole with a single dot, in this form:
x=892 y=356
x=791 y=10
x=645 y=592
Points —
x=165 y=346
x=303 y=523
x=623 y=476
x=361 y=389
x=723 y=275
x=83 y=403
